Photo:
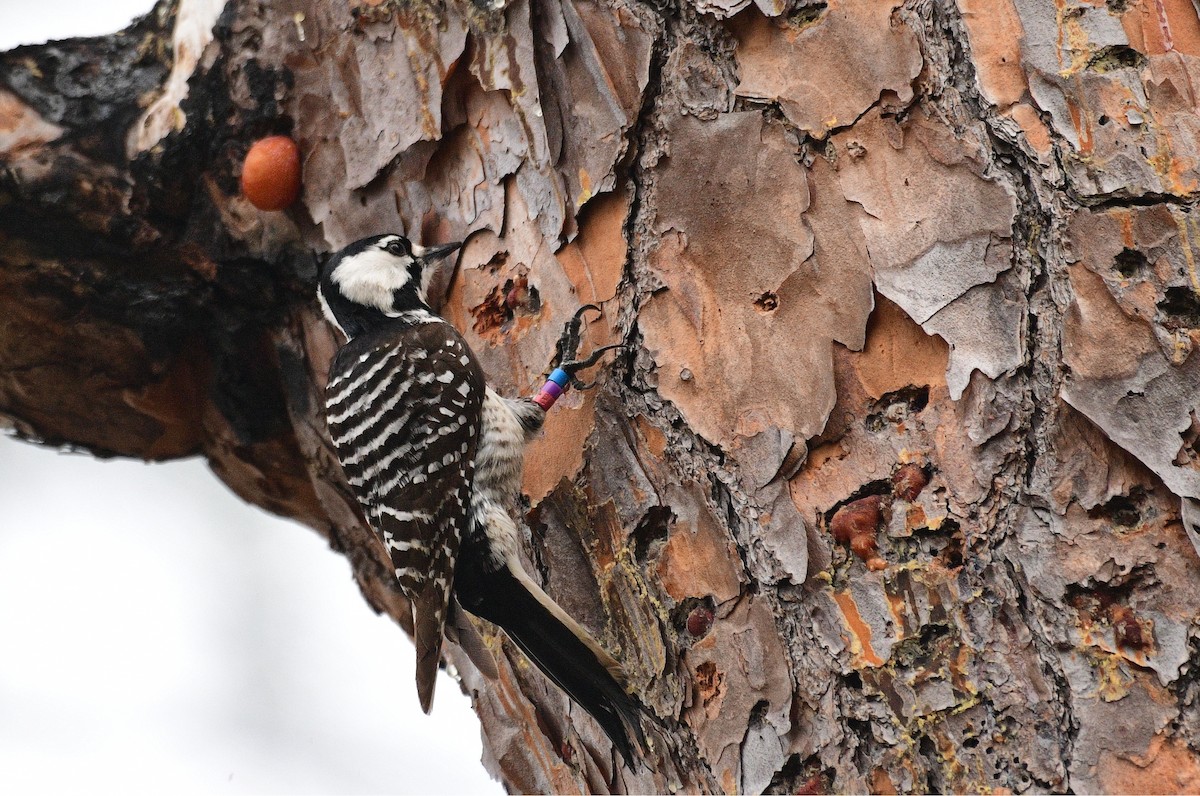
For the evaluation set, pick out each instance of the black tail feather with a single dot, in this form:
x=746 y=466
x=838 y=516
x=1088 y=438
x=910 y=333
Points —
x=570 y=663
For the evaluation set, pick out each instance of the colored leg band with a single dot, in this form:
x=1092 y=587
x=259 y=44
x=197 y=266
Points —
x=551 y=390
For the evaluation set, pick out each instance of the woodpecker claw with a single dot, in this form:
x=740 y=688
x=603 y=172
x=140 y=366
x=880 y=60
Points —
x=569 y=343
x=585 y=308
x=577 y=365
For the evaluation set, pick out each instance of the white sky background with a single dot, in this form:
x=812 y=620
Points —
x=157 y=635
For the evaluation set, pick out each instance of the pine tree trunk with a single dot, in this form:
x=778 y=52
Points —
x=897 y=488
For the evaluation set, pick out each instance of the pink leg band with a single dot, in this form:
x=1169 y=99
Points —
x=547 y=395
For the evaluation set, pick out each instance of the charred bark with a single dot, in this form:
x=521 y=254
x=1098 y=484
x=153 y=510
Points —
x=897 y=489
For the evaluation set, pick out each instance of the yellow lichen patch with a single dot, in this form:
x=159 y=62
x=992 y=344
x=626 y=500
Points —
x=585 y=188
x=1072 y=38
x=1185 y=244
x=1112 y=681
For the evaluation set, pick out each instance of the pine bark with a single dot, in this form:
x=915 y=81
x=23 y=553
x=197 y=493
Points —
x=896 y=488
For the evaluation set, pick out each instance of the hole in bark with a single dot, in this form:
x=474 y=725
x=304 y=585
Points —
x=921 y=651
x=505 y=302
x=1122 y=510
x=758 y=713
x=861 y=728
x=800 y=776
x=1116 y=56
x=895 y=407
x=970 y=743
x=806 y=14
x=1095 y=601
x=767 y=302
x=1104 y=120
x=491 y=313
x=928 y=747
x=652 y=531
x=952 y=555
x=1117 y=6
x=520 y=297
x=496 y=262
x=1181 y=308
x=1130 y=262
x=710 y=683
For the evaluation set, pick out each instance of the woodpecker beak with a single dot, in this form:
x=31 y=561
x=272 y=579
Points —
x=441 y=267
x=434 y=253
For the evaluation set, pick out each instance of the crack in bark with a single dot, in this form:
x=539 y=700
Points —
x=1043 y=366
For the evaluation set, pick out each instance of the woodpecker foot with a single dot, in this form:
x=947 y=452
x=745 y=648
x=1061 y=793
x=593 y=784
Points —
x=581 y=364
x=568 y=346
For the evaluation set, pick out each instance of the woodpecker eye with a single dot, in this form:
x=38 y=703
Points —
x=397 y=248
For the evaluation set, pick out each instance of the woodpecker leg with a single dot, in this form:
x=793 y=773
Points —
x=568 y=345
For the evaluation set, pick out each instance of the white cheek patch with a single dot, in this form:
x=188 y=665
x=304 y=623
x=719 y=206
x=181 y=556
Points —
x=370 y=277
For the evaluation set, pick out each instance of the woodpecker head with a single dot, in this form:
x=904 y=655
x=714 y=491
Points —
x=382 y=277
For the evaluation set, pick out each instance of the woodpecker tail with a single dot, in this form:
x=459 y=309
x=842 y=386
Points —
x=564 y=651
x=429 y=612
x=460 y=630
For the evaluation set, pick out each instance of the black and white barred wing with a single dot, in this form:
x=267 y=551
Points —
x=404 y=415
